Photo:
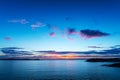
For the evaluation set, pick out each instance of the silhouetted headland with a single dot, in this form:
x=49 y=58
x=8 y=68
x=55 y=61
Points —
x=113 y=65
x=103 y=60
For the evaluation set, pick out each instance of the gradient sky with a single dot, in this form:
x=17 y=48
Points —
x=42 y=24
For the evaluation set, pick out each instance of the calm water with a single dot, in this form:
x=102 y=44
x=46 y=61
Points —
x=56 y=70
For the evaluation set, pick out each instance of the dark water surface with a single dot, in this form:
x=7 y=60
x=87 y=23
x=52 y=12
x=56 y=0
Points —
x=56 y=70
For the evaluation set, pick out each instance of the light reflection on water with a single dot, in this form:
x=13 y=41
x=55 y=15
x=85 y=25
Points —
x=56 y=70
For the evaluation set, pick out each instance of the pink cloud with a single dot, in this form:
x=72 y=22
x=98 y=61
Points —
x=71 y=31
x=52 y=34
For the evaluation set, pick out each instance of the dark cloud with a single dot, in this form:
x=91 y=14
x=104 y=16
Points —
x=17 y=53
x=113 y=51
x=87 y=33
x=102 y=52
x=17 y=50
x=94 y=47
x=12 y=48
x=46 y=51
x=71 y=31
x=14 y=51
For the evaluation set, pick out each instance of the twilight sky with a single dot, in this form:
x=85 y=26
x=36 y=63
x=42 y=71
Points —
x=60 y=25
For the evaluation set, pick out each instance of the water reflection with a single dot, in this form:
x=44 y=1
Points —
x=55 y=70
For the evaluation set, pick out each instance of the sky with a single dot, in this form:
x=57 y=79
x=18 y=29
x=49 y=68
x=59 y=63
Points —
x=60 y=25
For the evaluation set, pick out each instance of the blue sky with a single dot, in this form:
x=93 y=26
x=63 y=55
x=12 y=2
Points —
x=44 y=24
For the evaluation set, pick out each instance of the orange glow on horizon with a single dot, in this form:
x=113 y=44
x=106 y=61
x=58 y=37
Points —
x=61 y=56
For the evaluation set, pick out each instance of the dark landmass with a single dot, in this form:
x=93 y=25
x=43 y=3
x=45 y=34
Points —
x=115 y=60
x=103 y=60
x=113 y=65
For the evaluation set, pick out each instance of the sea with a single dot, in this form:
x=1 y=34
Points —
x=57 y=70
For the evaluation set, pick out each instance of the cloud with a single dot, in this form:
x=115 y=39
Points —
x=94 y=47
x=116 y=46
x=87 y=33
x=70 y=39
x=113 y=50
x=18 y=53
x=37 y=25
x=71 y=31
x=14 y=51
x=7 y=38
x=11 y=48
x=54 y=28
x=22 y=21
x=52 y=34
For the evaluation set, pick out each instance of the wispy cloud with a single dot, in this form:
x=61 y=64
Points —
x=22 y=21
x=12 y=48
x=37 y=25
x=54 y=28
x=7 y=38
x=116 y=46
x=70 y=39
x=87 y=33
x=14 y=51
x=94 y=47
x=113 y=50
